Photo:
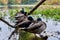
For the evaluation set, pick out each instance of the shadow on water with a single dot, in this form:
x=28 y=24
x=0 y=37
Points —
x=5 y=31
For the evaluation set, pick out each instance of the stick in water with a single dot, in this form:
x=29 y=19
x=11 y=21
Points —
x=42 y=1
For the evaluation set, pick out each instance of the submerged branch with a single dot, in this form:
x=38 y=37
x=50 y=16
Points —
x=7 y=23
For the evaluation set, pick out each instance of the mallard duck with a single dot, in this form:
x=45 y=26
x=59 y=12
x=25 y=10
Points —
x=37 y=27
x=27 y=21
x=21 y=13
x=20 y=17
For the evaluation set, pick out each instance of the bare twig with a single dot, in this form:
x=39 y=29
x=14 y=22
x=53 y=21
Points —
x=11 y=34
x=7 y=23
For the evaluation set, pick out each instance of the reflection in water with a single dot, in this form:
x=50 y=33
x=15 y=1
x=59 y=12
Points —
x=52 y=26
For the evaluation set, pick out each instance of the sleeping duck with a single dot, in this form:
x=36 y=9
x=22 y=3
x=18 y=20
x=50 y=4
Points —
x=37 y=27
x=20 y=16
x=24 y=24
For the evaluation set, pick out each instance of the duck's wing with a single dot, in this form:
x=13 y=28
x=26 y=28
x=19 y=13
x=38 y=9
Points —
x=34 y=26
x=37 y=25
x=21 y=23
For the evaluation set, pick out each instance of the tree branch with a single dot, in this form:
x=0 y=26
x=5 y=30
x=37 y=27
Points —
x=7 y=23
x=31 y=11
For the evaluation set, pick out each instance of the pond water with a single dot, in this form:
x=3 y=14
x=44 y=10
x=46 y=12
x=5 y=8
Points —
x=52 y=27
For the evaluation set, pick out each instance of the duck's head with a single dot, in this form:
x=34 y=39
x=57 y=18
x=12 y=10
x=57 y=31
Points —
x=22 y=11
x=39 y=19
x=30 y=18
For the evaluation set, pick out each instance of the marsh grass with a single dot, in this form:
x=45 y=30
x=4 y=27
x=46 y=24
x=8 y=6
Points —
x=52 y=13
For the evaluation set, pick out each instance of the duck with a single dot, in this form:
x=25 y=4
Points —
x=27 y=21
x=37 y=27
x=20 y=16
